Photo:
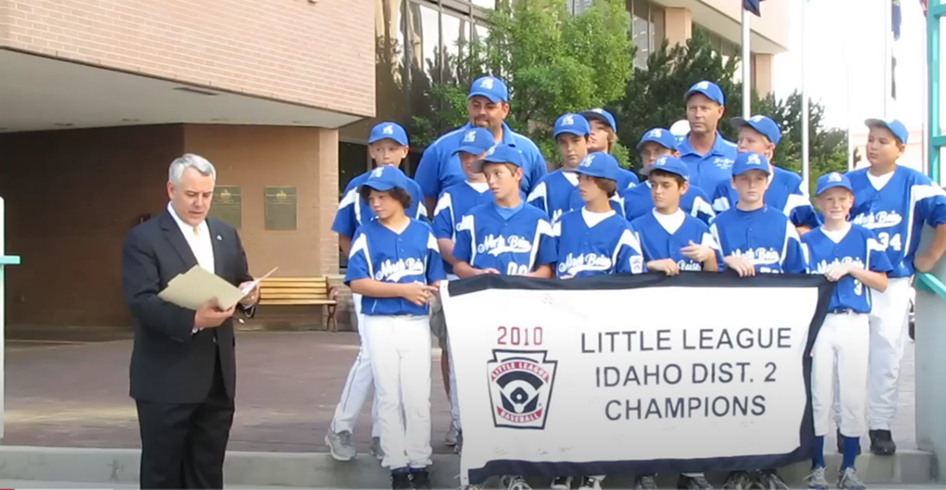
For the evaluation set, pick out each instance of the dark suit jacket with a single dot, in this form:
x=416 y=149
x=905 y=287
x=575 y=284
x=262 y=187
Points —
x=169 y=363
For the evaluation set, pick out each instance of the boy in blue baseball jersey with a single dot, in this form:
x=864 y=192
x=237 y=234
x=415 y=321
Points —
x=894 y=202
x=851 y=256
x=455 y=201
x=603 y=137
x=506 y=236
x=755 y=238
x=638 y=200
x=595 y=240
x=761 y=134
x=395 y=265
x=388 y=146
x=557 y=192
x=673 y=241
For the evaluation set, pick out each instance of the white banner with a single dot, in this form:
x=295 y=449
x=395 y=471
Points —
x=630 y=373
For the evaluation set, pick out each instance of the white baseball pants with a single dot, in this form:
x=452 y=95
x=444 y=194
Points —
x=888 y=331
x=841 y=354
x=454 y=398
x=357 y=385
x=400 y=363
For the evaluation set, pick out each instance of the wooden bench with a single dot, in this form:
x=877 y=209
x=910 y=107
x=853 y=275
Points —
x=300 y=291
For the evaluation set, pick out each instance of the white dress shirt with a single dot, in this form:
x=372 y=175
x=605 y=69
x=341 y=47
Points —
x=198 y=238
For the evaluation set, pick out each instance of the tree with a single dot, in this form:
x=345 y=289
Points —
x=554 y=62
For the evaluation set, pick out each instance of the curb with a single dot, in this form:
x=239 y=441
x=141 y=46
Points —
x=319 y=470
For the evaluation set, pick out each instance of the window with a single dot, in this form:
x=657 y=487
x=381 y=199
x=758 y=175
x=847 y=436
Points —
x=486 y=4
x=725 y=48
x=578 y=6
x=647 y=29
x=456 y=44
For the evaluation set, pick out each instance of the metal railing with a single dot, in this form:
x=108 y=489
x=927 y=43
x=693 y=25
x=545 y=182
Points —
x=5 y=260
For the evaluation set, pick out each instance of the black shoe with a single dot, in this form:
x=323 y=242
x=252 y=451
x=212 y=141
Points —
x=769 y=480
x=739 y=480
x=400 y=480
x=420 y=480
x=693 y=483
x=841 y=444
x=881 y=443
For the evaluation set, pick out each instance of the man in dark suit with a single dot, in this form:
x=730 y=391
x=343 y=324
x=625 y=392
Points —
x=183 y=370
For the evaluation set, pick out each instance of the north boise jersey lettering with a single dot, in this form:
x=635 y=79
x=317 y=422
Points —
x=379 y=253
x=859 y=246
x=513 y=247
x=708 y=170
x=353 y=211
x=440 y=167
x=557 y=193
x=456 y=201
x=638 y=201
x=897 y=211
x=764 y=237
x=784 y=193
x=605 y=246
x=658 y=243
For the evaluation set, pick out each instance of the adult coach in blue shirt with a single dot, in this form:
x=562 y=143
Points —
x=709 y=156
x=487 y=106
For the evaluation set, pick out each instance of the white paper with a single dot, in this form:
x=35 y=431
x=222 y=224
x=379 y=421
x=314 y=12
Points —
x=197 y=286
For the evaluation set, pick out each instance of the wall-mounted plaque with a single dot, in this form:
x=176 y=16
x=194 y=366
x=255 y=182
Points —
x=280 y=208
x=227 y=205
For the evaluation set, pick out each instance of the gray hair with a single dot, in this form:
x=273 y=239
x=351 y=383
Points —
x=190 y=160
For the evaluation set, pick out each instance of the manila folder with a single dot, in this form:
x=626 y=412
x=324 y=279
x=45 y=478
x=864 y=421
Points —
x=197 y=286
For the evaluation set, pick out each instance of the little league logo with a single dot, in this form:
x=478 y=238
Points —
x=520 y=386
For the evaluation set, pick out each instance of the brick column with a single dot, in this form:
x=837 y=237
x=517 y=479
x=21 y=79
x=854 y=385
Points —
x=762 y=64
x=678 y=24
x=326 y=200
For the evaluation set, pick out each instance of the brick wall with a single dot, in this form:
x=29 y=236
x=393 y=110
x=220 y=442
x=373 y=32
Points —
x=72 y=196
x=319 y=54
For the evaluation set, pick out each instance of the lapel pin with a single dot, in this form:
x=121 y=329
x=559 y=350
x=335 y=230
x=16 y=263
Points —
x=220 y=238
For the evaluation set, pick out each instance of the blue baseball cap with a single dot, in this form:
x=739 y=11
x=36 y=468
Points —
x=601 y=115
x=476 y=140
x=599 y=164
x=385 y=178
x=571 y=123
x=833 y=179
x=388 y=130
x=895 y=126
x=499 y=154
x=709 y=89
x=671 y=164
x=763 y=124
x=750 y=160
x=661 y=136
x=490 y=87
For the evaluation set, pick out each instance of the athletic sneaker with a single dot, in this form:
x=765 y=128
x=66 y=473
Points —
x=589 y=483
x=451 y=439
x=375 y=448
x=420 y=479
x=769 y=480
x=400 y=480
x=515 y=482
x=693 y=482
x=645 y=482
x=881 y=443
x=816 y=480
x=739 y=480
x=850 y=481
x=562 y=483
x=340 y=446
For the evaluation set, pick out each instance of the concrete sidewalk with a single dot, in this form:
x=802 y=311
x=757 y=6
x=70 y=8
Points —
x=73 y=392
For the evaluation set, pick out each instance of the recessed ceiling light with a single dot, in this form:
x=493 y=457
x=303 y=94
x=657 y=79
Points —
x=196 y=91
x=130 y=120
x=220 y=119
x=63 y=125
x=300 y=122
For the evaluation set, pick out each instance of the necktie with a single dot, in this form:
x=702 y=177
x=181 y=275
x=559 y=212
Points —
x=196 y=231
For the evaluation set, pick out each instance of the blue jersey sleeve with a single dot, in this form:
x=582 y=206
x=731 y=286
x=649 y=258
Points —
x=930 y=202
x=359 y=259
x=346 y=219
x=878 y=260
x=630 y=259
x=428 y=170
x=720 y=197
x=539 y=169
x=463 y=245
x=796 y=254
x=710 y=241
x=418 y=206
x=442 y=224
x=548 y=244
x=435 y=270
x=539 y=196
x=702 y=207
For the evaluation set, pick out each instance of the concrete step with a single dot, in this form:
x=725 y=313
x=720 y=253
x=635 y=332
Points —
x=110 y=467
